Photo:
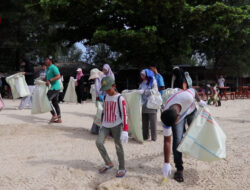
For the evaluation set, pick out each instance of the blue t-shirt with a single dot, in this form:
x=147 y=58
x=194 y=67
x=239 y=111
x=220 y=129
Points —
x=160 y=81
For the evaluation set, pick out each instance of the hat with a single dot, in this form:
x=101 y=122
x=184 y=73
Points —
x=107 y=83
x=95 y=73
x=79 y=69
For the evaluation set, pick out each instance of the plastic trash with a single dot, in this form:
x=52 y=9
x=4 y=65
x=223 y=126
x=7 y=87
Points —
x=98 y=116
x=204 y=140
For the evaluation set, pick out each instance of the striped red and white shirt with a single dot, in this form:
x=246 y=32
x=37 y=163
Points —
x=111 y=117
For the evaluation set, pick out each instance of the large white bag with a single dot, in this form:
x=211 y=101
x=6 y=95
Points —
x=98 y=115
x=1 y=103
x=18 y=85
x=40 y=101
x=93 y=93
x=154 y=101
x=204 y=139
x=167 y=93
x=134 y=110
x=70 y=95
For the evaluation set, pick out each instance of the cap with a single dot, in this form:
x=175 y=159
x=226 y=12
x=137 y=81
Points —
x=107 y=83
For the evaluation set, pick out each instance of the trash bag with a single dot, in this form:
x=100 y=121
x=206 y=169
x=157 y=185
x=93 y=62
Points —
x=93 y=93
x=134 y=110
x=204 y=139
x=18 y=85
x=40 y=101
x=154 y=101
x=98 y=116
x=70 y=95
x=1 y=103
x=167 y=93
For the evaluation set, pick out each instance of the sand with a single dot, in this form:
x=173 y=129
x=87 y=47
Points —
x=37 y=155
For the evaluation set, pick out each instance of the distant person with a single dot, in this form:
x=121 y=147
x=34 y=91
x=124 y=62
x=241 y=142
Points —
x=159 y=78
x=79 y=85
x=29 y=78
x=115 y=122
x=179 y=109
x=189 y=80
x=107 y=71
x=42 y=74
x=148 y=87
x=179 y=79
x=52 y=78
x=221 y=81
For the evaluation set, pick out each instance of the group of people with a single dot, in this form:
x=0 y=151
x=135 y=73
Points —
x=178 y=110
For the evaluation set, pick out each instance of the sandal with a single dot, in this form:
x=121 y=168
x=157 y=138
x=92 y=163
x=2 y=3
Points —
x=121 y=173
x=105 y=169
x=178 y=176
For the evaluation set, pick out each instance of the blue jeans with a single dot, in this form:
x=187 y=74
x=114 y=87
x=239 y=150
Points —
x=178 y=131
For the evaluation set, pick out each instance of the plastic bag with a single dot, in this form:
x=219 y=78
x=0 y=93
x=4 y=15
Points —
x=93 y=93
x=154 y=101
x=70 y=95
x=204 y=139
x=134 y=110
x=98 y=116
x=166 y=94
x=18 y=85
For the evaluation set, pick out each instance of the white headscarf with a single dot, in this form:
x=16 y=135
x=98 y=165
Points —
x=110 y=73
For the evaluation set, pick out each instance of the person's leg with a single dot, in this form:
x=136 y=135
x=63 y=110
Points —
x=23 y=103
x=103 y=133
x=51 y=95
x=153 y=125
x=56 y=104
x=145 y=126
x=31 y=89
x=78 y=95
x=178 y=131
x=116 y=132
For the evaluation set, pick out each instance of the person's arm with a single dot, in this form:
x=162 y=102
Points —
x=124 y=133
x=167 y=149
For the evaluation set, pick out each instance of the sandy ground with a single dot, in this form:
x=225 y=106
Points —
x=37 y=155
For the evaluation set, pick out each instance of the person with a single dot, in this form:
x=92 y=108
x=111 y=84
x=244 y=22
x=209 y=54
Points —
x=79 y=85
x=52 y=80
x=221 y=81
x=159 y=79
x=179 y=110
x=107 y=71
x=42 y=74
x=178 y=79
x=114 y=121
x=97 y=76
x=29 y=78
x=149 y=116
x=214 y=97
x=189 y=80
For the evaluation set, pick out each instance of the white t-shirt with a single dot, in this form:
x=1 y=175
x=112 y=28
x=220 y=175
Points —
x=221 y=82
x=186 y=99
x=111 y=117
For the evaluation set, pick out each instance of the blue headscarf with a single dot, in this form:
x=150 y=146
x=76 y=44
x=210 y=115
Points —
x=150 y=76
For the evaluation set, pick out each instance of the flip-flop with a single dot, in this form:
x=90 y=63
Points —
x=178 y=176
x=105 y=169
x=119 y=171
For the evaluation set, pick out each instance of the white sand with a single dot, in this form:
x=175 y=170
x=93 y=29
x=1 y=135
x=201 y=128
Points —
x=37 y=155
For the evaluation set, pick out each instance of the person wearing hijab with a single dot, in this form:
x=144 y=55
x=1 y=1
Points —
x=148 y=87
x=79 y=85
x=107 y=71
x=179 y=79
x=189 y=80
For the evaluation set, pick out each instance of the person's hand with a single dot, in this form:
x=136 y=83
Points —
x=23 y=73
x=47 y=83
x=140 y=91
x=124 y=137
x=202 y=103
x=166 y=169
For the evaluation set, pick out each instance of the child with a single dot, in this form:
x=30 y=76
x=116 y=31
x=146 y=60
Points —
x=214 y=96
x=114 y=121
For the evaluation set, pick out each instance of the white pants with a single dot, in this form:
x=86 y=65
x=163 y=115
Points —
x=28 y=99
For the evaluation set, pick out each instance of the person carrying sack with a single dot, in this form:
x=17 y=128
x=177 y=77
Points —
x=115 y=121
x=179 y=109
x=147 y=88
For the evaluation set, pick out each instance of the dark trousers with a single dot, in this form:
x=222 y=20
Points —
x=178 y=131
x=53 y=96
x=149 y=121
x=79 y=93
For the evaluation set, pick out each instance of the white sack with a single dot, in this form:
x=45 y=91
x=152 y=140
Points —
x=70 y=95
